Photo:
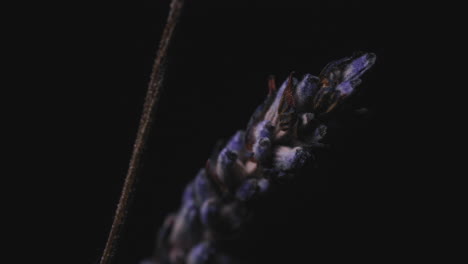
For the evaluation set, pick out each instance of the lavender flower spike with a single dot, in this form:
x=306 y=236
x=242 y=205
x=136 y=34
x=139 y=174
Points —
x=280 y=138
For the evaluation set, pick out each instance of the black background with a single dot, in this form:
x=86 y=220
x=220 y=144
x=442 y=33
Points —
x=100 y=59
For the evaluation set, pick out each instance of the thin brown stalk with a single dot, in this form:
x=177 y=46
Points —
x=152 y=95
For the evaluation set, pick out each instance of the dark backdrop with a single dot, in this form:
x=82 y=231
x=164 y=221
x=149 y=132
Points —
x=219 y=62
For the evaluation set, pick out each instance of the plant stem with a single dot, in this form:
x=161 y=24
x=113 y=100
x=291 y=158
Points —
x=151 y=100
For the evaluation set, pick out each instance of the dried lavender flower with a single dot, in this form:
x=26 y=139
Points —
x=281 y=137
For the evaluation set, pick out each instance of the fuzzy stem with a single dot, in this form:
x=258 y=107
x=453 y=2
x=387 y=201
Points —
x=151 y=100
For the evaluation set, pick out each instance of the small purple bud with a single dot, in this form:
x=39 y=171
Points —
x=166 y=229
x=287 y=158
x=358 y=66
x=236 y=143
x=319 y=133
x=189 y=193
x=347 y=87
x=209 y=212
x=262 y=149
x=306 y=118
x=263 y=185
x=233 y=215
x=201 y=253
x=226 y=159
x=224 y=168
x=264 y=129
x=185 y=225
x=247 y=190
x=202 y=187
x=305 y=90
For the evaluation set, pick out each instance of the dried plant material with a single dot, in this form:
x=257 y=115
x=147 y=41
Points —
x=281 y=137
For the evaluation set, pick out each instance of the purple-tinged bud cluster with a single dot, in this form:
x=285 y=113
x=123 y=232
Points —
x=279 y=140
